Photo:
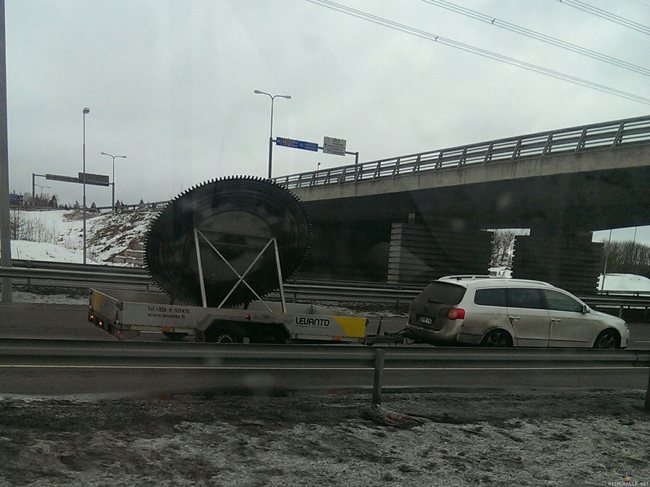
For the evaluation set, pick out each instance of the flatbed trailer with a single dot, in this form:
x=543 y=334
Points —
x=122 y=312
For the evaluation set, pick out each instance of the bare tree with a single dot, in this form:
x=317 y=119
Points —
x=502 y=245
x=628 y=257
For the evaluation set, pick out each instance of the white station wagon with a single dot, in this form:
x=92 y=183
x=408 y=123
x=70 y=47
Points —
x=498 y=312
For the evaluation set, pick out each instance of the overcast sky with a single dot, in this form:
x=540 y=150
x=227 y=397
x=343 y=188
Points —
x=170 y=84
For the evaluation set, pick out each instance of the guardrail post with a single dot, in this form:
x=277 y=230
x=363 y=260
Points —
x=647 y=395
x=379 y=372
x=29 y=281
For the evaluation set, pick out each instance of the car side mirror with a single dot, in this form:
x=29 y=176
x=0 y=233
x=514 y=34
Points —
x=585 y=309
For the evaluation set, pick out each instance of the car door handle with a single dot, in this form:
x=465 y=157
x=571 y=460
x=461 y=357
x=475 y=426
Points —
x=555 y=320
x=515 y=317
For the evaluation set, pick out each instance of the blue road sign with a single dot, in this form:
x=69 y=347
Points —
x=296 y=144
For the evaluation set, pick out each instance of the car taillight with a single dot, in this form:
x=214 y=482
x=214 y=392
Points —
x=456 y=314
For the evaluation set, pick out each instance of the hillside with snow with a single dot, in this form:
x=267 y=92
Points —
x=57 y=235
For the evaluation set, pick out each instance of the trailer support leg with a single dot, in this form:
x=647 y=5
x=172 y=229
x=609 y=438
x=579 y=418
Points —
x=377 y=381
x=279 y=270
x=200 y=266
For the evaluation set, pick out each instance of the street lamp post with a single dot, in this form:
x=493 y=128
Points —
x=85 y=112
x=272 y=97
x=42 y=187
x=113 y=157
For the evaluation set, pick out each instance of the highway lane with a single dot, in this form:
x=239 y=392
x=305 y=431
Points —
x=21 y=320
x=41 y=320
x=107 y=381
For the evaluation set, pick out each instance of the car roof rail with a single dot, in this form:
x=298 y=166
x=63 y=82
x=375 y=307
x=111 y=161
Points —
x=469 y=277
x=461 y=277
x=532 y=281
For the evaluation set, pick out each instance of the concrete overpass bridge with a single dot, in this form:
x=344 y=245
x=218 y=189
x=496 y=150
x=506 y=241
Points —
x=415 y=217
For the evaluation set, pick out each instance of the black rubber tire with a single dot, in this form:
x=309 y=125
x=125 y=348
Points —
x=239 y=216
x=224 y=334
x=608 y=339
x=175 y=336
x=497 y=338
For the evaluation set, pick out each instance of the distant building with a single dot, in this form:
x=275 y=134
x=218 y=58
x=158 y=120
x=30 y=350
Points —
x=16 y=199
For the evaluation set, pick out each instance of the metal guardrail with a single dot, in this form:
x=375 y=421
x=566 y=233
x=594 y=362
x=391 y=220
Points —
x=600 y=136
x=392 y=366
x=75 y=276
x=72 y=266
x=308 y=356
x=78 y=275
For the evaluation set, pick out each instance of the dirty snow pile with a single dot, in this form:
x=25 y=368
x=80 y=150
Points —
x=464 y=439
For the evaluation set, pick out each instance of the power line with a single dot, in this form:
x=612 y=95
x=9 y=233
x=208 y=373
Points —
x=604 y=14
x=475 y=50
x=537 y=35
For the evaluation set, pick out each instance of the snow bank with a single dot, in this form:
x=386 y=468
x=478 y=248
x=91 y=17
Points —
x=624 y=282
x=22 y=249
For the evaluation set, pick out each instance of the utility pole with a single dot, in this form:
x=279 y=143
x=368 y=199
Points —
x=5 y=229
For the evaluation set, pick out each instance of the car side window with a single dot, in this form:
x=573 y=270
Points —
x=525 y=298
x=491 y=297
x=561 y=302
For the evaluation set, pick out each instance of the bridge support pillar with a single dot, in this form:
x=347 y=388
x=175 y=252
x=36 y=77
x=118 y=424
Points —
x=570 y=261
x=419 y=253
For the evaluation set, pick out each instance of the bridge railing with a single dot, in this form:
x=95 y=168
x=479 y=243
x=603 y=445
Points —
x=601 y=136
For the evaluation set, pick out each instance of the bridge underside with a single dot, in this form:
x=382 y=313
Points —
x=585 y=201
x=560 y=210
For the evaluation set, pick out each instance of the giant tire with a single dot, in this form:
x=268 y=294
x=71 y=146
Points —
x=239 y=216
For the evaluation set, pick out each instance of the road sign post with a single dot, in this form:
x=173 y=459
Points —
x=331 y=145
x=297 y=144
x=96 y=179
x=334 y=146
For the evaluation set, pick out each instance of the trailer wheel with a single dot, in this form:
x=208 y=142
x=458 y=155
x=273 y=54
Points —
x=224 y=334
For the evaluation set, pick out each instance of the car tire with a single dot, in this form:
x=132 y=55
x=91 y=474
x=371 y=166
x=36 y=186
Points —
x=608 y=339
x=497 y=338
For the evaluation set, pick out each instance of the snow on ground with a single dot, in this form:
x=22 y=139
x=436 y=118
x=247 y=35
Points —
x=613 y=282
x=625 y=282
x=462 y=439
x=107 y=234
x=23 y=249
x=25 y=297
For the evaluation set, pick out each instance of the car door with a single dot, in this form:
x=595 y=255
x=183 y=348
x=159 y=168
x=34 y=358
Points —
x=529 y=317
x=570 y=327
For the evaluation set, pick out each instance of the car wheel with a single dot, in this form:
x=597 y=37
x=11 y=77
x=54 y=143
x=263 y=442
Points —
x=497 y=338
x=608 y=339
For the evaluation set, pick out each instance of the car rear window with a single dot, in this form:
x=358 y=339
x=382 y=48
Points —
x=443 y=293
x=491 y=297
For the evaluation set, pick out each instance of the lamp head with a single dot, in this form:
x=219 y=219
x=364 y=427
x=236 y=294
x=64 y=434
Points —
x=86 y=111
